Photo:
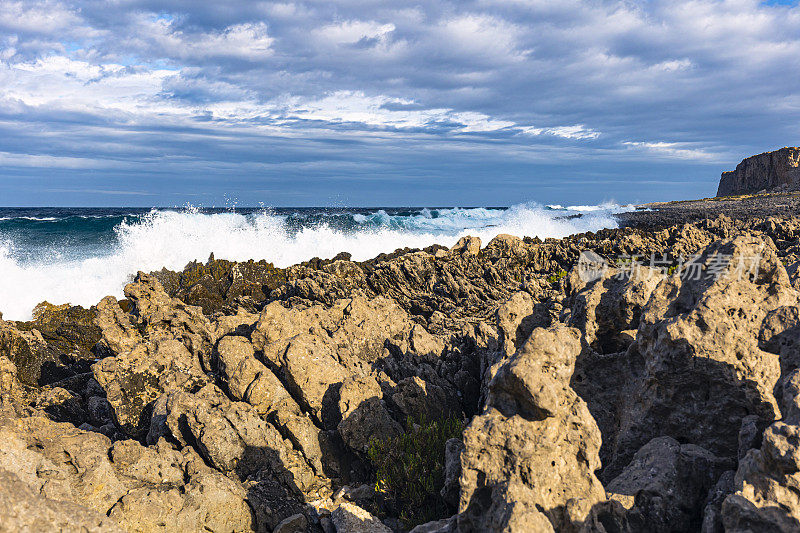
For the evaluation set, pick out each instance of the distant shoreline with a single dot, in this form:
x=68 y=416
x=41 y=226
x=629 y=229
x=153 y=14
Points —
x=663 y=214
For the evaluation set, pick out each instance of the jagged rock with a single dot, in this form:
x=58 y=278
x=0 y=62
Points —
x=311 y=362
x=141 y=489
x=158 y=316
x=313 y=350
x=27 y=350
x=294 y=524
x=233 y=438
x=749 y=434
x=446 y=525
x=70 y=329
x=421 y=401
x=23 y=509
x=118 y=333
x=370 y=420
x=669 y=483
x=535 y=447
x=350 y=518
x=61 y=405
x=250 y=381
x=766 y=498
x=780 y=334
x=608 y=306
x=605 y=381
x=242 y=323
x=134 y=379
x=209 y=502
x=515 y=321
x=712 y=515
x=467 y=246
x=452 y=472
x=13 y=395
x=703 y=368
x=790 y=398
x=364 y=416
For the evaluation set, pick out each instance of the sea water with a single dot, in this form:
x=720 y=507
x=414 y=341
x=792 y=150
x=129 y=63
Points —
x=80 y=255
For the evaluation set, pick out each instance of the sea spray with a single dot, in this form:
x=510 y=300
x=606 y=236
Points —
x=74 y=264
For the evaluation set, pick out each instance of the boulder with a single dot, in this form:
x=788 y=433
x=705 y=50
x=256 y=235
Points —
x=250 y=381
x=23 y=509
x=154 y=315
x=117 y=329
x=134 y=379
x=609 y=306
x=668 y=484
x=467 y=246
x=535 y=448
x=27 y=350
x=350 y=518
x=765 y=497
x=139 y=488
x=703 y=368
x=232 y=438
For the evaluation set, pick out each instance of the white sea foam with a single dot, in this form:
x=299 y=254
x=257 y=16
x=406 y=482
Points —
x=172 y=239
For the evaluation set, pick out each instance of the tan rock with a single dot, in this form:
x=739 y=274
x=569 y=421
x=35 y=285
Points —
x=134 y=379
x=698 y=340
x=24 y=510
x=535 y=447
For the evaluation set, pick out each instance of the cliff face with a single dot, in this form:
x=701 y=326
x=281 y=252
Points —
x=765 y=171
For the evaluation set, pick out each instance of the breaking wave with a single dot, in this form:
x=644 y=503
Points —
x=81 y=259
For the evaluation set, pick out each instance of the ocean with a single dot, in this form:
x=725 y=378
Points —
x=80 y=255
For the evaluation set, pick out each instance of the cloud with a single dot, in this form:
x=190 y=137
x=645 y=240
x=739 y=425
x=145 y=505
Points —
x=680 y=151
x=523 y=90
x=578 y=131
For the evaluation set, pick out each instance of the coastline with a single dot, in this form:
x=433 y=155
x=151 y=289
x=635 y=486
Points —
x=270 y=397
x=662 y=214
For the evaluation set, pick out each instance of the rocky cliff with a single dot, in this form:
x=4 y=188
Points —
x=763 y=172
x=477 y=388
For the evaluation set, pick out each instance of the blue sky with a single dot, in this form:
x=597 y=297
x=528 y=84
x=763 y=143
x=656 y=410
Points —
x=368 y=102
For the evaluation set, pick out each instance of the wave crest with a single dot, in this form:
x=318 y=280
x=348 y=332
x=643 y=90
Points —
x=171 y=239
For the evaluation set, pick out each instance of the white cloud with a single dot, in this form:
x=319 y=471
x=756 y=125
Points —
x=161 y=37
x=38 y=17
x=673 y=150
x=60 y=83
x=605 y=78
x=578 y=131
x=353 y=31
x=480 y=36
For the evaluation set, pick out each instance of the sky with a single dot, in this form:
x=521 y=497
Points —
x=381 y=103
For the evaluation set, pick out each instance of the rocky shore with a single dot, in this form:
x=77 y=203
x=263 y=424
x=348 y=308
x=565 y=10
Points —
x=517 y=385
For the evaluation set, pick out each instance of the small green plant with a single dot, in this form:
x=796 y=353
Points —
x=671 y=270
x=409 y=470
x=555 y=278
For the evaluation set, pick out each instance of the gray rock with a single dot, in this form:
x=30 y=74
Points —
x=452 y=471
x=294 y=524
x=350 y=518
x=669 y=483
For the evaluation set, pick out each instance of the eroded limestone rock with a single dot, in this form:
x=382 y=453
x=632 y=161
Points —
x=535 y=447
